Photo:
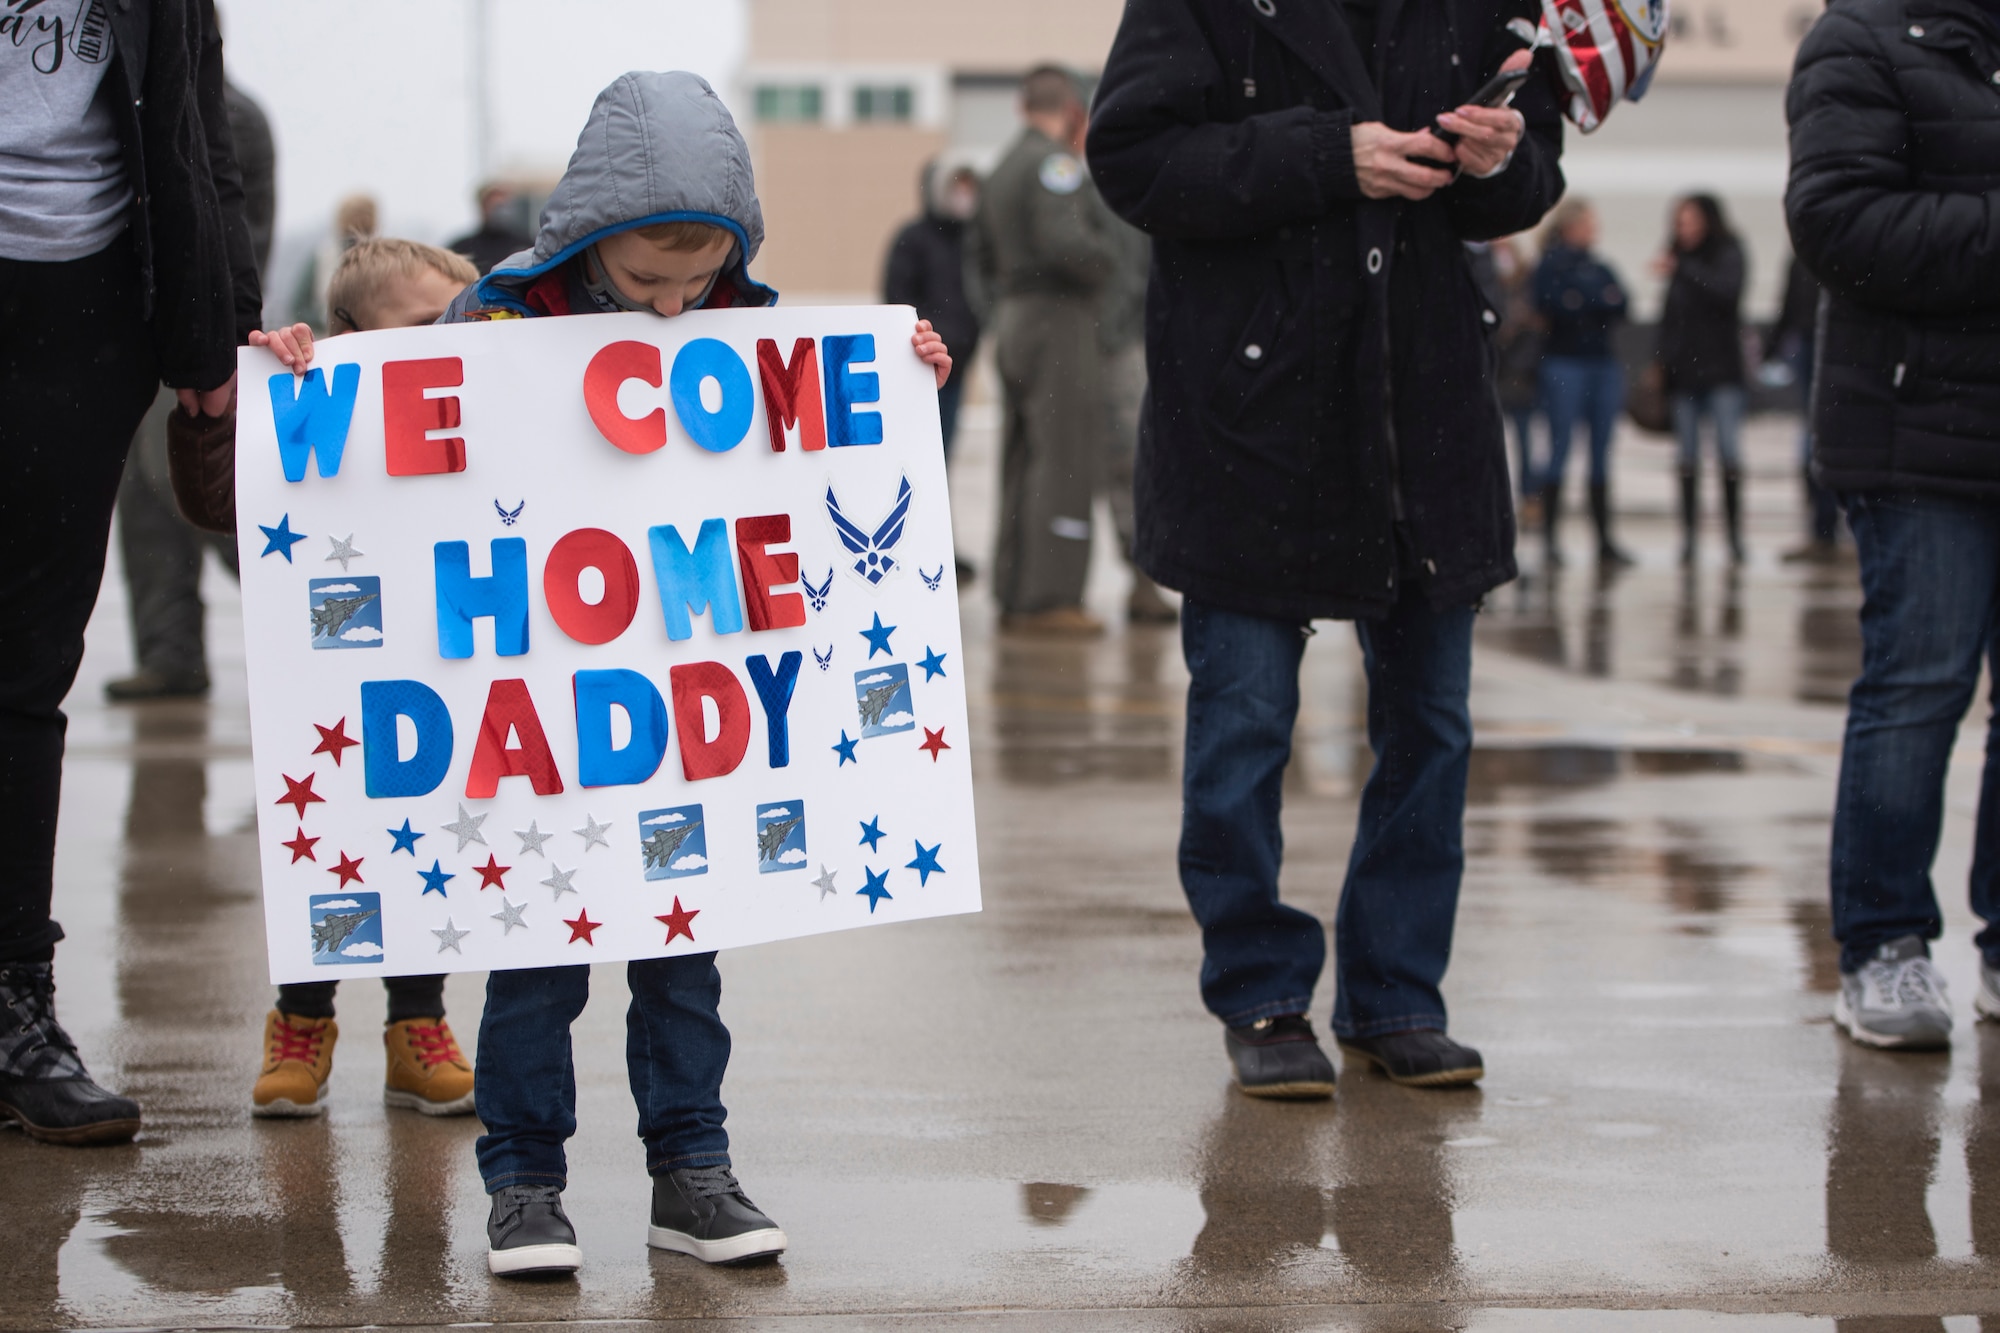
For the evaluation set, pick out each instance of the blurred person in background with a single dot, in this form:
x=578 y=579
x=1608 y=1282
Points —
x=1895 y=147
x=498 y=235
x=1506 y=277
x=1582 y=302
x=1122 y=339
x=1701 y=353
x=354 y=219
x=1790 y=344
x=1043 y=253
x=125 y=261
x=160 y=553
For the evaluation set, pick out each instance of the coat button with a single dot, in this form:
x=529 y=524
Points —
x=1489 y=317
x=1916 y=30
x=1253 y=352
x=1375 y=260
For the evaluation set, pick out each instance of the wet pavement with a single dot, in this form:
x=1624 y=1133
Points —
x=1022 y=1120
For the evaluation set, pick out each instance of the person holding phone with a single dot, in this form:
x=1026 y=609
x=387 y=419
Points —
x=1322 y=440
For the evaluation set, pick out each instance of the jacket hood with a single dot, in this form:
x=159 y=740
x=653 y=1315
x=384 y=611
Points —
x=656 y=148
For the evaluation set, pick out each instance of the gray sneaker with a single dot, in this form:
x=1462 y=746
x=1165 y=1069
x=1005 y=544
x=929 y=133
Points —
x=1986 y=1002
x=1896 y=1001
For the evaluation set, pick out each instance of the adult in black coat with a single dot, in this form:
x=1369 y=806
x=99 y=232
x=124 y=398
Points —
x=89 y=327
x=1323 y=440
x=1701 y=353
x=926 y=269
x=1895 y=113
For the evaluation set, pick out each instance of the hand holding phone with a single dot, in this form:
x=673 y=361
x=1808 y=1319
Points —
x=1497 y=91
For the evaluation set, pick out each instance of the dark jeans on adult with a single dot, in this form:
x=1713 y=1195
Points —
x=1930 y=575
x=676 y=1050
x=162 y=555
x=1581 y=389
x=76 y=374
x=1392 y=934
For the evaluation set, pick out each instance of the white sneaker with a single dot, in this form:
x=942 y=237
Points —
x=1897 y=1001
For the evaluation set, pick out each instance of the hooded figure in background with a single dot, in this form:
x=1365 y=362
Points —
x=926 y=269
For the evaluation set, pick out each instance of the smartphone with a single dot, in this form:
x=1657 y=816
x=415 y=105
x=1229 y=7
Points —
x=1497 y=91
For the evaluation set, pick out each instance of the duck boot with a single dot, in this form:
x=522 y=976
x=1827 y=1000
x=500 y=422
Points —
x=298 y=1060
x=1690 y=514
x=1609 y=553
x=427 y=1073
x=1552 y=524
x=1732 y=513
x=44 y=1087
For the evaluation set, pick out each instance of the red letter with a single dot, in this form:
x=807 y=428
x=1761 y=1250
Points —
x=701 y=757
x=592 y=548
x=607 y=372
x=508 y=708
x=762 y=569
x=791 y=395
x=408 y=416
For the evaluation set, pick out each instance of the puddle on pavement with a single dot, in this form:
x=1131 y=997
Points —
x=1497 y=768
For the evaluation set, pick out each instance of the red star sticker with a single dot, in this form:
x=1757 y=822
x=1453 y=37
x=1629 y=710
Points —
x=678 y=922
x=347 y=869
x=301 y=848
x=299 y=794
x=490 y=873
x=580 y=928
x=934 y=741
x=333 y=739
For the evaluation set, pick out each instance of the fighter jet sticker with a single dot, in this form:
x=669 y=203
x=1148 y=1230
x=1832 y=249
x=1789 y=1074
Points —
x=346 y=928
x=883 y=696
x=673 y=843
x=346 y=612
x=781 y=837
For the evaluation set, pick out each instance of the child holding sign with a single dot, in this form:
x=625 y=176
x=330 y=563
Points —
x=381 y=283
x=656 y=213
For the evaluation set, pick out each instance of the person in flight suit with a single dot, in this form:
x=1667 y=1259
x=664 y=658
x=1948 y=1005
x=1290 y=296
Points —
x=1044 y=252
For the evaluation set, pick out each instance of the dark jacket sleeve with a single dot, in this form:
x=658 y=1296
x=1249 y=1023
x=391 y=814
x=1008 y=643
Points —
x=1864 y=226
x=903 y=275
x=213 y=109
x=1515 y=199
x=1168 y=167
x=257 y=163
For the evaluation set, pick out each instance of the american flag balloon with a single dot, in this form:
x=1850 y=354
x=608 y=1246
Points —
x=1607 y=50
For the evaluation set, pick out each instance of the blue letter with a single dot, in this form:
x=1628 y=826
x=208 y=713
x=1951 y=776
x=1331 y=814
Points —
x=462 y=599
x=703 y=579
x=597 y=764
x=310 y=419
x=774 y=691
x=387 y=772
x=845 y=387
x=723 y=429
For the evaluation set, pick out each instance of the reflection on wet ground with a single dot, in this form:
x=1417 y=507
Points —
x=1023 y=1120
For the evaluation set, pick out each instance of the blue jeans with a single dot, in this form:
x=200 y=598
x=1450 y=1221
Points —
x=676 y=1050
x=1724 y=406
x=1930 y=572
x=1590 y=389
x=1392 y=936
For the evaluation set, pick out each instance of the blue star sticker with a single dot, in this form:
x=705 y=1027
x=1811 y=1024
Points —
x=406 y=839
x=846 y=749
x=871 y=832
x=926 y=863
x=932 y=662
x=434 y=878
x=875 y=890
x=878 y=638
x=281 y=539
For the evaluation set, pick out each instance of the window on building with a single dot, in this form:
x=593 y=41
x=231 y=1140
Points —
x=880 y=102
x=795 y=102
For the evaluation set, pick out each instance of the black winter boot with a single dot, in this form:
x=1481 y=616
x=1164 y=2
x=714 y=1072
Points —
x=1608 y=552
x=1690 y=514
x=1552 y=505
x=1732 y=513
x=44 y=1087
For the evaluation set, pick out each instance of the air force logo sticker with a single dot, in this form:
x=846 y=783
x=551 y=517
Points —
x=871 y=550
x=1061 y=174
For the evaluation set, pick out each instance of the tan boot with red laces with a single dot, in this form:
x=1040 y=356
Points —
x=298 y=1057
x=427 y=1073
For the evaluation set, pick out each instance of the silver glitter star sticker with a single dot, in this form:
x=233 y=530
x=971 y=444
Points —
x=510 y=916
x=559 y=881
x=593 y=833
x=343 y=550
x=825 y=882
x=532 y=839
x=449 y=937
x=467 y=828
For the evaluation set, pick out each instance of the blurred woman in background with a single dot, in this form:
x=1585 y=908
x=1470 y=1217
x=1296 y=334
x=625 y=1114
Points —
x=1582 y=301
x=1701 y=352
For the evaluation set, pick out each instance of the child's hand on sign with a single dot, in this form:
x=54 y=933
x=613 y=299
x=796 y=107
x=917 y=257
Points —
x=930 y=350
x=293 y=346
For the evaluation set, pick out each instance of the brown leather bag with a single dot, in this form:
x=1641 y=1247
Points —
x=1646 y=401
x=201 y=457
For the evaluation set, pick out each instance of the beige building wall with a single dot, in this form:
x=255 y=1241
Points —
x=832 y=201
x=1007 y=36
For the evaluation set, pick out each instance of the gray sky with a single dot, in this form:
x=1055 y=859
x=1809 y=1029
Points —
x=376 y=95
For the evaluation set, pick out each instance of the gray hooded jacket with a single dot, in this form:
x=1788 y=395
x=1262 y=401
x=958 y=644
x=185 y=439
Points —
x=657 y=148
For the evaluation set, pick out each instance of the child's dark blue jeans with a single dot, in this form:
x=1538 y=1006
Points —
x=676 y=1050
